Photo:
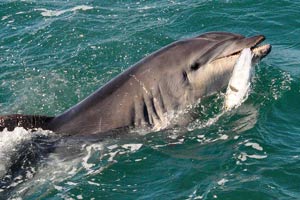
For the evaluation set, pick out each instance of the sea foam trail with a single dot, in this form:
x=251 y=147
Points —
x=239 y=83
x=55 y=13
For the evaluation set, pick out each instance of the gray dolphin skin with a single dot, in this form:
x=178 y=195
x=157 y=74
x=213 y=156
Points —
x=149 y=92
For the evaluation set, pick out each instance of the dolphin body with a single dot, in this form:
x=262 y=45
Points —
x=146 y=94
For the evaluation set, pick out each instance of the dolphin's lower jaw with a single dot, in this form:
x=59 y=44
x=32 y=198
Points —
x=260 y=52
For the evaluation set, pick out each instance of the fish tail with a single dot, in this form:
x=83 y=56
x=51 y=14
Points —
x=10 y=122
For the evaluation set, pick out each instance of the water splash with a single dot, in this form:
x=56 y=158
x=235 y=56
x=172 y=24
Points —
x=10 y=141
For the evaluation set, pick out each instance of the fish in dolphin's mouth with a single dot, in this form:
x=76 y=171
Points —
x=239 y=83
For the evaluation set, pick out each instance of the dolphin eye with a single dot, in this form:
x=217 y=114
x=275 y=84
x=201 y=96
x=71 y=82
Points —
x=195 y=66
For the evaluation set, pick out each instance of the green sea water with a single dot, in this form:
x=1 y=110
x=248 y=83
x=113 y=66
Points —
x=55 y=53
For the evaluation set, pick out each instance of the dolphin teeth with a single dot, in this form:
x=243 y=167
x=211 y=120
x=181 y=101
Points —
x=261 y=49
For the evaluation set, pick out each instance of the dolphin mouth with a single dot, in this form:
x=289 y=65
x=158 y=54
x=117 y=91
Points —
x=254 y=43
x=260 y=51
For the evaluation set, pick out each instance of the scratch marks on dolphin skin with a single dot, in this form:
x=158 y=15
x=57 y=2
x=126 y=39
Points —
x=100 y=125
x=140 y=83
x=153 y=109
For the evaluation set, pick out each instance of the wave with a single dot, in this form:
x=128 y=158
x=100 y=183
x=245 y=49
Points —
x=55 y=13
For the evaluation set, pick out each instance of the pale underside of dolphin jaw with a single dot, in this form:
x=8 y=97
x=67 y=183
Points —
x=261 y=51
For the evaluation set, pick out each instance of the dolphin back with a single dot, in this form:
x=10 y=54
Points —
x=26 y=121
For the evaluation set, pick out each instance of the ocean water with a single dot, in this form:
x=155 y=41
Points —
x=55 y=53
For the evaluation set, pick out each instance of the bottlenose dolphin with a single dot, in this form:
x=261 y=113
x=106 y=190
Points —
x=146 y=94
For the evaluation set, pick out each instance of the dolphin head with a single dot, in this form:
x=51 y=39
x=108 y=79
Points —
x=204 y=64
x=211 y=71
x=190 y=69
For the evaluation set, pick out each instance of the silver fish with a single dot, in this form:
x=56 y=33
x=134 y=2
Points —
x=239 y=83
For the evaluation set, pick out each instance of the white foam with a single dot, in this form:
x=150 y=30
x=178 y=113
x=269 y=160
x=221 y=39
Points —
x=9 y=140
x=254 y=146
x=59 y=188
x=180 y=141
x=5 y=17
x=222 y=181
x=224 y=137
x=132 y=147
x=72 y=171
x=198 y=197
x=30 y=173
x=257 y=156
x=111 y=147
x=243 y=156
x=173 y=136
x=55 y=13
x=11 y=21
x=93 y=183
x=112 y=156
x=18 y=198
x=90 y=149
x=71 y=183
x=210 y=140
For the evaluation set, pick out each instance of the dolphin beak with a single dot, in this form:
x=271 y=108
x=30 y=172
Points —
x=259 y=51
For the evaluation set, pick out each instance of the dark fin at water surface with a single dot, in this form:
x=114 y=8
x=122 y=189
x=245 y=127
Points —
x=26 y=121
